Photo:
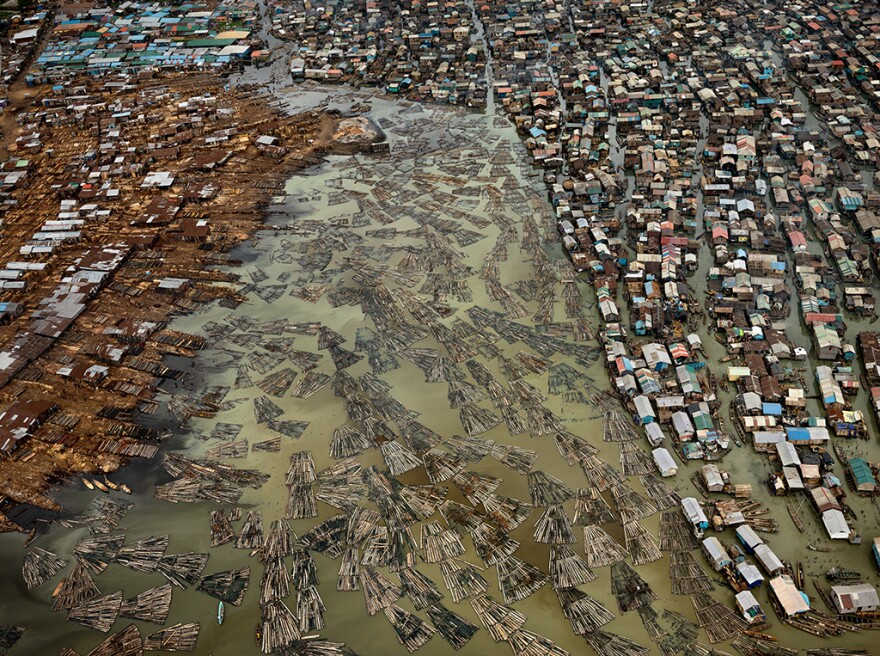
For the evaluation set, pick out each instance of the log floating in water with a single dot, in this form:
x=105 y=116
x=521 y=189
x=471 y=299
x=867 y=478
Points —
x=600 y=474
x=590 y=507
x=180 y=637
x=9 y=635
x=418 y=588
x=151 y=605
x=600 y=548
x=492 y=543
x=554 y=527
x=304 y=571
x=547 y=490
x=349 y=571
x=471 y=449
x=328 y=537
x=721 y=622
x=687 y=577
x=127 y=642
x=660 y=494
x=314 y=381
x=251 y=536
x=640 y=544
x=462 y=581
x=76 y=589
x=572 y=447
x=398 y=458
x=275 y=583
x=98 y=552
x=39 y=566
x=411 y=630
x=265 y=410
x=631 y=506
x=630 y=589
x=442 y=466
x=347 y=442
x=456 y=630
x=144 y=555
x=499 y=620
x=183 y=569
x=476 y=420
x=518 y=579
x=310 y=610
x=277 y=384
x=279 y=627
x=476 y=487
x=527 y=643
x=507 y=513
x=438 y=543
x=675 y=532
x=229 y=586
x=567 y=569
x=99 y=613
x=516 y=458
x=271 y=446
x=583 y=612
x=379 y=592
x=611 y=644
x=221 y=528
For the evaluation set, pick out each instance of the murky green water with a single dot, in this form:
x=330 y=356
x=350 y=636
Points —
x=425 y=142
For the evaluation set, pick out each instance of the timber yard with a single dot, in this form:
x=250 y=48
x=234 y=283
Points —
x=543 y=327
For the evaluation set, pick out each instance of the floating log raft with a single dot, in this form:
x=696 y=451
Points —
x=302 y=469
x=304 y=571
x=471 y=449
x=225 y=432
x=290 y=428
x=438 y=543
x=9 y=635
x=127 y=642
x=720 y=621
x=265 y=410
x=310 y=610
x=660 y=494
x=476 y=420
x=76 y=589
x=617 y=428
x=507 y=513
x=328 y=338
x=516 y=458
x=328 y=537
x=640 y=544
x=278 y=383
x=418 y=588
x=590 y=507
x=573 y=448
x=518 y=579
x=442 y=466
x=462 y=581
x=398 y=458
x=630 y=589
x=631 y=506
x=752 y=646
x=411 y=630
x=499 y=620
x=98 y=552
x=419 y=437
x=600 y=548
x=221 y=529
x=144 y=555
x=462 y=393
x=554 y=527
x=611 y=644
x=302 y=502
x=275 y=583
x=152 y=605
x=456 y=630
x=379 y=592
x=349 y=571
x=39 y=566
x=526 y=643
x=229 y=586
x=347 y=442
x=237 y=449
x=180 y=637
x=675 y=533
x=251 y=536
x=600 y=474
x=109 y=512
x=492 y=543
x=99 y=613
x=547 y=490
x=314 y=381
x=686 y=575
x=634 y=461
x=476 y=487
x=567 y=569
x=279 y=627
x=271 y=446
x=583 y=612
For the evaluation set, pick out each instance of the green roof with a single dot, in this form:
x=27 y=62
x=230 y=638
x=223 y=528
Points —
x=209 y=43
x=862 y=472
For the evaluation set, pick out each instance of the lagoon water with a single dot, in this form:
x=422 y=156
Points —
x=462 y=178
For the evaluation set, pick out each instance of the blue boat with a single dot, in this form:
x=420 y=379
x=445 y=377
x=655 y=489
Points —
x=220 y=613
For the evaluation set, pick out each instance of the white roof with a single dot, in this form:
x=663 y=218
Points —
x=664 y=460
x=835 y=524
x=767 y=558
x=790 y=598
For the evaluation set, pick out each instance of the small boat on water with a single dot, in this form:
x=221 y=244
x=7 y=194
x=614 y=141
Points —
x=87 y=483
x=98 y=484
x=125 y=488
x=221 y=613
x=110 y=484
